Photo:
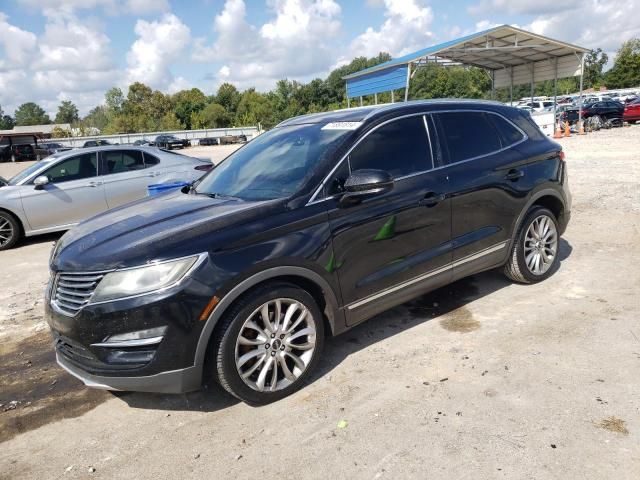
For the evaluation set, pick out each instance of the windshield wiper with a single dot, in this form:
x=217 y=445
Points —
x=219 y=195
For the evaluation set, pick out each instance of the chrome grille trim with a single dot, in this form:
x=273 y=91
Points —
x=73 y=290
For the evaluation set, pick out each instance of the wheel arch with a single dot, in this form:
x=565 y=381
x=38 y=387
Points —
x=548 y=198
x=306 y=279
x=17 y=217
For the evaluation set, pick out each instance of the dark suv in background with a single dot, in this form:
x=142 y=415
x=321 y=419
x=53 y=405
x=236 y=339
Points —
x=169 y=142
x=304 y=232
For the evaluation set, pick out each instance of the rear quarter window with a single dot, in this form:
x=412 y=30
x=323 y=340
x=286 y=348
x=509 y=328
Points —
x=508 y=133
x=467 y=135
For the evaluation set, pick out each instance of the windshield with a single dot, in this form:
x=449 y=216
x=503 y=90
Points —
x=28 y=171
x=273 y=165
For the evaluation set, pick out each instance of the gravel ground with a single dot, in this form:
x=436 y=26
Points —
x=481 y=379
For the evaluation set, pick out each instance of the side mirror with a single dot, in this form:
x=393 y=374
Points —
x=40 y=182
x=366 y=183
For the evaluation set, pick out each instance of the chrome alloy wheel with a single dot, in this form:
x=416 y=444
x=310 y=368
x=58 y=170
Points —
x=540 y=245
x=275 y=345
x=6 y=231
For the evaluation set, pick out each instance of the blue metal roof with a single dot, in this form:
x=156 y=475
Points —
x=406 y=59
x=390 y=78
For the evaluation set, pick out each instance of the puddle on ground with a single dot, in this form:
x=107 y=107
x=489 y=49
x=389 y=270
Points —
x=449 y=303
x=35 y=390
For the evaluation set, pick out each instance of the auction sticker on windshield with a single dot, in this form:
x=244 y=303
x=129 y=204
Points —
x=342 y=126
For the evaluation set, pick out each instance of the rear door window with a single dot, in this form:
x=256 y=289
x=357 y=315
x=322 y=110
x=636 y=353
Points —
x=467 y=135
x=119 y=161
x=400 y=147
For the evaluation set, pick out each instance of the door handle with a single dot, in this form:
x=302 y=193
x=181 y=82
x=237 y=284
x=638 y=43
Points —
x=514 y=175
x=153 y=174
x=94 y=184
x=431 y=199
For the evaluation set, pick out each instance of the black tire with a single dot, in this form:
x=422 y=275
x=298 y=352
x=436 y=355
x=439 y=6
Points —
x=221 y=357
x=516 y=267
x=8 y=239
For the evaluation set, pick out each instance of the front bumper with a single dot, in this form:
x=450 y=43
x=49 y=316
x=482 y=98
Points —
x=175 y=381
x=169 y=366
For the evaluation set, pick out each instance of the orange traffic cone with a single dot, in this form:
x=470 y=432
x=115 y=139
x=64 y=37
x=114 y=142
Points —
x=581 y=128
x=567 y=130
x=558 y=131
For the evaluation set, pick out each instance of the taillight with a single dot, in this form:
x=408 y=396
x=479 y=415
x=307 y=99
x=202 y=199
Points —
x=561 y=155
x=205 y=167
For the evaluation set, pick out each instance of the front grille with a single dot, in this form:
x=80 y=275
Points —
x=72 y=291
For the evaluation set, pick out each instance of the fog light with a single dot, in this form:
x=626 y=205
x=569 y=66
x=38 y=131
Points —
x=139 y=338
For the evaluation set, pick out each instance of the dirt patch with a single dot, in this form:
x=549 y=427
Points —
x=614 y=424
x=450 y=303
x=461 y=321
x=35 y=391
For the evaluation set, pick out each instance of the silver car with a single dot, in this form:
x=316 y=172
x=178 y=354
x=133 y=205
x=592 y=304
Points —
x=68 y=187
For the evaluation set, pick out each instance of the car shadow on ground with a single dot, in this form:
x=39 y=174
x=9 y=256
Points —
x=446 y=304
x=45 y=238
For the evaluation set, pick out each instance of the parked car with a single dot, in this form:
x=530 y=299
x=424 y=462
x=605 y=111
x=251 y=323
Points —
x=605 y=109
x=311 y=228
x=142 y=143
x=49 y=148
x=66 y=188
x=17 y=152
x=631 y=112
x=96 y=143
x=229 y=139
x=169 y=142
x=536 y=106
x=208 y=141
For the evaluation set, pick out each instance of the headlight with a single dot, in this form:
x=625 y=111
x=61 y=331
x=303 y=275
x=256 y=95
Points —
x=141 y=280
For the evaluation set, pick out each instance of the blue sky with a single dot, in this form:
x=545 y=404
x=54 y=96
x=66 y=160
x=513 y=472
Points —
x=51 y=50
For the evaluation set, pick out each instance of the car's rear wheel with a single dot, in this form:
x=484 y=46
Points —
x=267 y=344
x=534 y=253
x=10 y=231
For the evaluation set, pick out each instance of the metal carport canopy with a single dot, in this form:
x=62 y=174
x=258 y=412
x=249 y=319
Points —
x=511 y=55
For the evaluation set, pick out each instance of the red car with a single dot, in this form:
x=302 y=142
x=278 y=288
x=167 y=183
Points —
x=632 y=111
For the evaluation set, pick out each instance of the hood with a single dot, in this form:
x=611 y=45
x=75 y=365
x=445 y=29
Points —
x=157 y=228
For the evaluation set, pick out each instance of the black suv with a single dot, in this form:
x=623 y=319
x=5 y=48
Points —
x=304 y=232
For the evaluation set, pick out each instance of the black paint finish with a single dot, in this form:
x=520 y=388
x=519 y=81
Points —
x=359 y=249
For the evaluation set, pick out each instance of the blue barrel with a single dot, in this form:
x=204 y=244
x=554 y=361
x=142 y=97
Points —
x=159 y=188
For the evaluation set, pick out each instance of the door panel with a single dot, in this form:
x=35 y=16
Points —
x=388 y=240
x=488 y=183
x=75 y=193
x=126 y=176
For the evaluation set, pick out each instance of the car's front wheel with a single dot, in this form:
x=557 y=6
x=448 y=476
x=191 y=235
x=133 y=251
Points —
x=534 y=253
x=9 y=230
x=267 y=343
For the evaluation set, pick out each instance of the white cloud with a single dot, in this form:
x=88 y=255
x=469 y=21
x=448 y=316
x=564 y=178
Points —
x=71 y=59
x=537 y=7
x=405 y=29
x=160 y=44
x=295 y=43
x=17 y=43
x=110 y=7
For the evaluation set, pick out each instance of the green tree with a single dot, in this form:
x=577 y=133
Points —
x=58 y=132
x=96 y=118
x=228 y=96
x=626 y=67
x=6 y=121
x=67 y=112
x=213 y=115
x=256 y=107
x=114 y=99
x=31 y=114
x=186 y=103
x=594 y=62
